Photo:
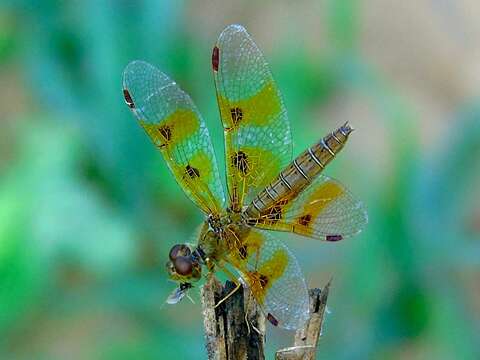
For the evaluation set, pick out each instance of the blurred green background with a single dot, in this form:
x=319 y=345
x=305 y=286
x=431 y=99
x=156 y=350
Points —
x=88 y=209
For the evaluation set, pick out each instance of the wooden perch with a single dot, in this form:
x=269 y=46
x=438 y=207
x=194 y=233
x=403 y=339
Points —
x=306 y=340
x=229 y=337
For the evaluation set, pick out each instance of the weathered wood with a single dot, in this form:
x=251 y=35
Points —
x=229 y=337
x=214 y=334
x=295 y=353
x=306 y=340
x=227 y=334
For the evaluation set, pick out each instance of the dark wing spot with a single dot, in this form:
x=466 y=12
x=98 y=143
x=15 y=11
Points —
x=263 y=280
x=305 y=219
x=334 y=237
x=272 y=319
x=237 y=115
x=166 y=132
x=240 y=161
x=128 y=99
x=215 y=58
x=243 y=252
x=192 y=172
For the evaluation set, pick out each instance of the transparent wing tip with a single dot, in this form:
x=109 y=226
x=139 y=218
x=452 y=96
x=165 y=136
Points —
x=134 y=67
x=135 y=75
x=233 y=28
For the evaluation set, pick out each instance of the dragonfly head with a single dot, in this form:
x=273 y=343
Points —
x=183 y=266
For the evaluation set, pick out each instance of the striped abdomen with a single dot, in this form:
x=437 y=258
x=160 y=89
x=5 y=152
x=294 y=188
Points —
x=300 y=173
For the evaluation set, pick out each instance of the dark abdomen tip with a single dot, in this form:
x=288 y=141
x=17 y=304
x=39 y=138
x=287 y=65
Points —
x=346 y=129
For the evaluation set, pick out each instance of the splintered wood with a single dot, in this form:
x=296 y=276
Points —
x=228 y=335
x=306 y=340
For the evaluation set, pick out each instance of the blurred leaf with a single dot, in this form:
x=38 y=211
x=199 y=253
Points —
x=342 y=20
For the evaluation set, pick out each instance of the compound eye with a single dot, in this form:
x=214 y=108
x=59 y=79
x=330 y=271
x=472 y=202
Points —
x=183 y=265
x=178 y=250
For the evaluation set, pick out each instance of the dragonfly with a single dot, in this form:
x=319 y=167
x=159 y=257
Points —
x=266 y=190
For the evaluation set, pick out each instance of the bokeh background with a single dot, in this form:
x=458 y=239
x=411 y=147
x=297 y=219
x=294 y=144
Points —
x=88 y=209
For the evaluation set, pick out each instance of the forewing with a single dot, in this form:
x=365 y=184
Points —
x=173 y=123
x=274 y=276
x=257 y=132
x=325 y=210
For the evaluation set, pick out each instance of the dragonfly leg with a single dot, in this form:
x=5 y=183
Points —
x=229 y=294
x=233 y=279
x=249 y=302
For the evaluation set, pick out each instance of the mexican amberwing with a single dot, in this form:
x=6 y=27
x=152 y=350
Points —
x=266 y=189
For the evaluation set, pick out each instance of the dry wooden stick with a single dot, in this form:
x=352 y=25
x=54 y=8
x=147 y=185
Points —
x=306 y=340
x=229 y=337
x=227 y=334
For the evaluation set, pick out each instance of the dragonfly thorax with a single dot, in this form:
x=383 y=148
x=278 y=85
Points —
x=215 y=223
x=218 y=224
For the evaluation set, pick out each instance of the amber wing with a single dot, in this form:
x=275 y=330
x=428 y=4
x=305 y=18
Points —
x=173 y=123
x=274 y=277
x=325 y=210
x=257 y=132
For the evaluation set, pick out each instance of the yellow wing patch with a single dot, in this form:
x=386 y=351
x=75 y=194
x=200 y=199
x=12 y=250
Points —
x=273 y=275
x=243 y=249
x=252 y=113
x=325 y=210
x=175 y=128
x=173 y=123
x=198 y=167
x=316 y=202
x=261 y=280
x=258 y=110
x=248 y=168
